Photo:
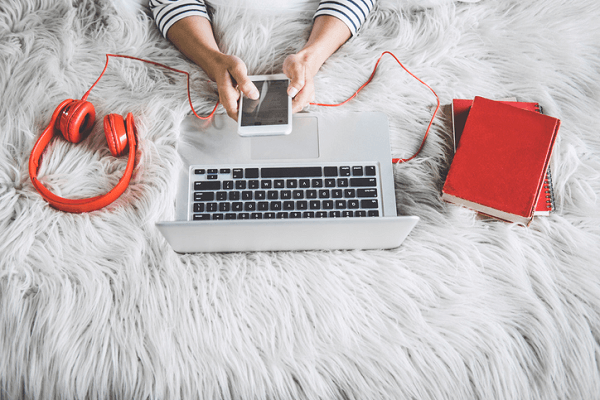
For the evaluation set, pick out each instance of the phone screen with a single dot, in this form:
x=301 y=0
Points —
x=271 y=108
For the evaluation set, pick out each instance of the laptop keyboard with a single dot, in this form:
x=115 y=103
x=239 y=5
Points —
x=329 y=191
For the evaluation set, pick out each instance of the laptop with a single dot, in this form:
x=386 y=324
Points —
x=328 y=185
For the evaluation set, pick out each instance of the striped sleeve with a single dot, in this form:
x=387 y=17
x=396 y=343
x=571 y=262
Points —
x=351 y=12
x=167 y=12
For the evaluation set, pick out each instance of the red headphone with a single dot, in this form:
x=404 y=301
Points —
x=74 y=119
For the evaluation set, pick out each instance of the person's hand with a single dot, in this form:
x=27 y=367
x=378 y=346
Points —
x=302 y=87
x=231 y=76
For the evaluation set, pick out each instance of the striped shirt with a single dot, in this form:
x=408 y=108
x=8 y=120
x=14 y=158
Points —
x=351 y=12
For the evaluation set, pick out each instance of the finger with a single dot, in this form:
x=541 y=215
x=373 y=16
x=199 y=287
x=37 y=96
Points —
x=229 y=97
x=297 y=74
x=304 y=97
x=240 y=74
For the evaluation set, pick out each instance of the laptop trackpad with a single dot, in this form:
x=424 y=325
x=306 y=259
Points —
x=302 y=142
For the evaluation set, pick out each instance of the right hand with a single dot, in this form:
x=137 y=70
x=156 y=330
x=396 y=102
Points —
x=231 y=76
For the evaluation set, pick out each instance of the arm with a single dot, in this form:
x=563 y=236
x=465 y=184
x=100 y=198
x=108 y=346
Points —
x=185 y=23
x=194 y=37
x=335 y=22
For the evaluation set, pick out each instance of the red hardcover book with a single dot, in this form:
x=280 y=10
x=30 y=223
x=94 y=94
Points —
x=460 y=112
x=501 y=160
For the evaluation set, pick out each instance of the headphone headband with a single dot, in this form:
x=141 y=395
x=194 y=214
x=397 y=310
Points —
x=80 y=205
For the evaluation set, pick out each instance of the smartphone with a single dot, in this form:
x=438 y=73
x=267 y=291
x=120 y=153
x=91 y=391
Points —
x=271 y=114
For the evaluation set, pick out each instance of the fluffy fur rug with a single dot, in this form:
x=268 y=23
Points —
x=98 y=306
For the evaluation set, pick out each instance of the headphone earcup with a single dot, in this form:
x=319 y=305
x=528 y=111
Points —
x=116 y=134
x=76 y=119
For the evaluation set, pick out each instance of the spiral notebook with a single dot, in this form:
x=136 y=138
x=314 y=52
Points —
x=501 y=160
x=460 y=112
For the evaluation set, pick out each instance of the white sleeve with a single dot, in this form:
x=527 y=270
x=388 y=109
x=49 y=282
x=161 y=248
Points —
x=167 y=12
x=351 y=12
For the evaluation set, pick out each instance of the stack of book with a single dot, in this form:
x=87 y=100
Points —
x=501 y=162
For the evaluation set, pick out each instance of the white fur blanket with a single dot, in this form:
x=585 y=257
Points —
x=97 y=305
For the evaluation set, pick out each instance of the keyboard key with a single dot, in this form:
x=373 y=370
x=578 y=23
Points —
x=308 y=214
x=256 y=216
x=369 y=203
x=304 y=183
x=286 y=194
x=330 y=182
x=298 y=194
x=238 y=173
x=301 y=205
x=217 y=216
x=212 y=207
x=366 y=193
x=291 y=183
x=224 y=171
x=243 y=216
x=327 y=204
x=321 y=214
x=201 y=217
x=269 y=215
x=337 y=193
x=230 y=216
x=282 y=215
x=266 y=184
x=237 y=206
x=349 y=193
x=347 y=214
x=213 y=171
x=221 y=196
x=373 y=213
x=272 y=195
x=234 y=196
x=353 y=204
x=315 y=205
x=278 y=183
x=296 y=214
x=357 y=182
x=360 y=213
x=224 y=207
x=316 y=183
x=260 y=195
x=288 y=205
x=370 y=170
x=344 y=171
x=334 y=214
x=275 y=206
x=253 y=184
x=227 y=185
x=204 y=196
x=331 y=171
x=198 y=207
x=342 y=182
x=251 y=173
x=204 y=185
x=247 y=195
x=340 y=204
x=240 y=185
x=296 y=172
x=263 y=205
x=357 y=170
x=311 y=194
x=249 y=206
x=199 y=171
x=324 y=194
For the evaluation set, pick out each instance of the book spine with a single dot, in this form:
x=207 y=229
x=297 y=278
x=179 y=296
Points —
x=548 y=191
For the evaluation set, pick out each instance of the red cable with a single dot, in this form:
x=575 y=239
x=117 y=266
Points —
x=394 y=160
x=159 y=65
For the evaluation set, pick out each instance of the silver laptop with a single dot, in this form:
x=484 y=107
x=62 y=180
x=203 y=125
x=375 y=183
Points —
x=328 y=185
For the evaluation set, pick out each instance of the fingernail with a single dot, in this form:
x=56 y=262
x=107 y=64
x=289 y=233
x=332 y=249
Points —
x=292 y=92
x=254 y=94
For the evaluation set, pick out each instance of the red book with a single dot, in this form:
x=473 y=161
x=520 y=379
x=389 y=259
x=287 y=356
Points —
x=460 y=112
x=501 y=160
